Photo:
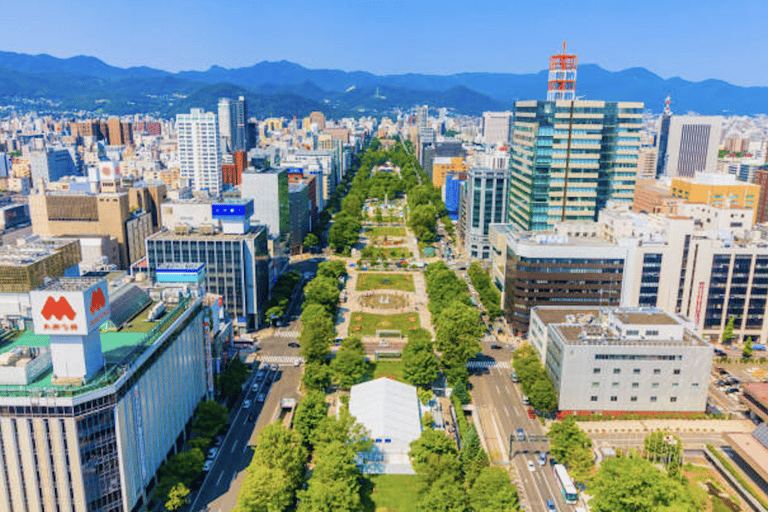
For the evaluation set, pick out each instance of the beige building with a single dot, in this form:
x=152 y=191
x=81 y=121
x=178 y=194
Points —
x=652 y=196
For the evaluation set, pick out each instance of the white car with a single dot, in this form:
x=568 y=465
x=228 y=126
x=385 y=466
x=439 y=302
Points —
x=246 y=404
x=531 y=466
x=208 y=465
x=212 y=453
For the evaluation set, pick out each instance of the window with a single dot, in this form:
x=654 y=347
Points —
x=635 y=384
x=633 y=399
x=651 y=333
x=655 y=385
x=593 y=398
x=615 y=384
x=596 y=370
x=676 y=371
x=636 y=371
x=595 y=384
x=614 y=398
x=675 y=384
x=673 y=399
x=695 y=384
x=617 y=370
x=653 y=399
x=656 y=371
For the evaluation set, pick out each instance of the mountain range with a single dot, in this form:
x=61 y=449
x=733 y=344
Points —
x=288 y=89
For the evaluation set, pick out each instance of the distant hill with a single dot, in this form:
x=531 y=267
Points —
x=88 y=83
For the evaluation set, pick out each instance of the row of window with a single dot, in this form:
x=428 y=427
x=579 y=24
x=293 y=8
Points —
x=636 y=371
x=615 y=398
x=636 y=385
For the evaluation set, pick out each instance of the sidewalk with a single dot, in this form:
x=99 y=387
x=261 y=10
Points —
x=716 y=426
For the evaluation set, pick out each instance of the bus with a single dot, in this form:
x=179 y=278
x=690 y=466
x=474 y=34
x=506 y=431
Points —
x=570 y=494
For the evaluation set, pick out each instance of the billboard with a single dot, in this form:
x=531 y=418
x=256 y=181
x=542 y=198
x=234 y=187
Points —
x=67 y=310
x=232 y=210
x=108 y=170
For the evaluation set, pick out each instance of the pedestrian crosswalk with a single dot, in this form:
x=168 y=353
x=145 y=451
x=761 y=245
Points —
x=280 y=360
x=287 y=334
x=475 y=365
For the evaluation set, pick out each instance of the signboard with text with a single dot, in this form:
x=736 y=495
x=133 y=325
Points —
x=60 y=311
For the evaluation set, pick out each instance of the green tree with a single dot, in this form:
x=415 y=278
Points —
x=183 y=467
x=473 y=457
x=635 y=485
x=423 y=222
x=333 y=269
x=343 y=429
x=420 y=365
x=275 y=472
x=542 y=394
x=201 y=443
x=457 y=337
x=350 y=366
x=661 y=446
x=315 y=338
x=378 y=216
x=493 y=492
x=311 y=410
x=210 y=417
x=571 y=446
x=747 y=350
x=434 y=455
x=445 y=494
x=324 y=291
x=317 y=376
x=427 y=420
x=311 y=240
x=334 y=485
x=352 y=205
x=232 y=379
x=178 y=496
x=344 y=232
x=727 y=336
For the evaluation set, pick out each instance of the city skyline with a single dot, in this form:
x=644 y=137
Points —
x=668 y=39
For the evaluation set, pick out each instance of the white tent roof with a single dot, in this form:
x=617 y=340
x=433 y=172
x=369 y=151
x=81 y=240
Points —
x=387 y=408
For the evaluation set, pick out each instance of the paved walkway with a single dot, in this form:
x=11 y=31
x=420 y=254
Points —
x=672 y=426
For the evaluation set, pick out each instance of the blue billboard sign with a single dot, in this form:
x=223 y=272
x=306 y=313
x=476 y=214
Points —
x=237 y=210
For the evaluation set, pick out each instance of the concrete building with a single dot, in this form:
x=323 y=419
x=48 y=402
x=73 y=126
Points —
x=761 y=180
x=51 y=165
x=119 y=133
x=443 y=166
x=391 y=412
x=300 y=221
x=622 y=359
x=497 y=128
x=82 y=424
x=232 y=124
x=318 y=119
x=234 y=252
x=692 y=143
x=199 y=150
x=569 y=158
x=268 y=188
x=653 y=196
x=484 y=202
x=719 y=190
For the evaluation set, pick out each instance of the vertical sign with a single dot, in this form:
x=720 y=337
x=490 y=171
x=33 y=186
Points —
x=699 y=299
x=139 y=424
x=208 y=358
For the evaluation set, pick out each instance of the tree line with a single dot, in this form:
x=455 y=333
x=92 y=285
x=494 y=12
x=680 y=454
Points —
x=490 y=296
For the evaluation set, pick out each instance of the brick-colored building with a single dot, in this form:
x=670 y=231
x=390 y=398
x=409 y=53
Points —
x=761 y=179
x=232 y=174
x=653 y=197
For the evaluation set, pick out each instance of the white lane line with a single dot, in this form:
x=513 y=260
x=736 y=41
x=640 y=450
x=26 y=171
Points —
x=506 y=410
x=218 y=480
x=234 y=445
x=497 y=389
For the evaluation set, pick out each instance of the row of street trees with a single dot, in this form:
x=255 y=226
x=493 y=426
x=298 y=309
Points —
x=534 y=379
x=490 y=296
x=456 y=481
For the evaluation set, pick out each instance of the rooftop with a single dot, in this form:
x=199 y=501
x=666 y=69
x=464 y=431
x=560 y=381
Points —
x=70 y=284
x=387 y=408
x=758 y=391
x=31 y=252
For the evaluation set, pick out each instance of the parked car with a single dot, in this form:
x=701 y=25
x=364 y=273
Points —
x=513 y=376
x=531 y=413
x=260 y=397
x=246 y=403
x=520 y=434
x=531 y=466
x=495 y=347
x=212 y=453
x=207 y=466
x=732 y=390
x=252 y=417
x=526 y=401
x=542 y=459
x=218 y=440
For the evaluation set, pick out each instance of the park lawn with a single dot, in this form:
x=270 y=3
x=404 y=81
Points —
x=375 y=281
x=397 y=253
x=366 y=324
x=394 y=493
x=391 y=369
x=386 y=231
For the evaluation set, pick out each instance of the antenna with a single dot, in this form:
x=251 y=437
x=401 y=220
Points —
x=561 y=83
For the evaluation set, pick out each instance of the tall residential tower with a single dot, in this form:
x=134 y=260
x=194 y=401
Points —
x=199 y=150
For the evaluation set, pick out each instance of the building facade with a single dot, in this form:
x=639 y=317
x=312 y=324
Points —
x=497 y=128
x=569 y=158
x=692 y=143
x=719 y=190
x=199 y=150
x=485 y=202
x=622 y=359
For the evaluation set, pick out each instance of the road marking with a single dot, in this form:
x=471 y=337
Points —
x=506 y=410
x=497 y=389
x=234 y=445
x=218 y=481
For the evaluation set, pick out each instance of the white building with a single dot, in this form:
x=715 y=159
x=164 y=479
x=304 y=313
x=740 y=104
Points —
x=199 y=151
x=391 y=413
x=622 y=359
x=497 y=127
x=692 y=144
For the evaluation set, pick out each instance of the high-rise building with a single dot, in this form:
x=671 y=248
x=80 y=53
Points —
x=569 y=158
x=692 y=144
x=497 y=127
x=268 y=188
x=51 y=165
x=199 y=150
x=233 y=131
x=761 y=179
x=422 y=117
x=663 y=140
x=120 y=133
x=484 y=202
x=225 y=124
x=232 y=172
x=318 y=119
x=82 y=425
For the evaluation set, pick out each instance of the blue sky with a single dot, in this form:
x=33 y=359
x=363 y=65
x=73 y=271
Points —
x=695 y=40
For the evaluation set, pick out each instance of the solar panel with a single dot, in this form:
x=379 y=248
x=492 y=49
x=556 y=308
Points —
x=761 y=434
x=127 y=302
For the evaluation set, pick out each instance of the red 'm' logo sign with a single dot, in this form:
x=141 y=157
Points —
x=58 y=308
x=97 y=300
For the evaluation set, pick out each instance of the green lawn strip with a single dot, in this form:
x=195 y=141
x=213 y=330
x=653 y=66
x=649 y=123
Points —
x=391 y=369
x=739 y=478
x=376 y=281
x=386 y=231
x=395 y=493
x=369 y=323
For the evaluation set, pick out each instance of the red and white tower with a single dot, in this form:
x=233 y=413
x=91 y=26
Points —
x=562 y=77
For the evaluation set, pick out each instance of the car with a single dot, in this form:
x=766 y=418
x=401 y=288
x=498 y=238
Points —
x=218 y=440
x=513 y=376
x=208 y=465
x=526 y=401
x=542 y=459
x=532 y=413
x=531 y=467
x=732 y=390
x=212 y=453
x=246 y=403
x=552 y=461
x=261 y=397
x=252 y=417
x=293 y=344
x=495 y=347
x=551 y=506
x=259 y=375
x=255 y=387
x=520 y=434
x=297 y=362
